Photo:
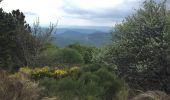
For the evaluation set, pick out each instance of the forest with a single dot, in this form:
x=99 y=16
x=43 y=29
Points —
x=135 y=65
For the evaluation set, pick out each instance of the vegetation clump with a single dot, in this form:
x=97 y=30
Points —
x=18 y=88
x=140 y=48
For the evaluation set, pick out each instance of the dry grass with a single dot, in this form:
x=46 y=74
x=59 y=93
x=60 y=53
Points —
x=152 y=95
x=47 y=98
x=17 y=88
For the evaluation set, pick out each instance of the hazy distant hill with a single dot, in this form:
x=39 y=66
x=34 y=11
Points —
x=90 y=36
x=83 y=30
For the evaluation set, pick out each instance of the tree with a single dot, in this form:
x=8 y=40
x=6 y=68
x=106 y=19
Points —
x=19 y=44
x=140 y=48
x=69 y=56
x=23 y=38
x=47 y=57
x=86 y=51
x=43 y=37
x=13 y=26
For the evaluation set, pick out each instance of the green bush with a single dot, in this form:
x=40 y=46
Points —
x=50 y=85
x=98 y=83
x=48 y=57
x=140 y=48
x=68 y=56
x=59 y=57
x=85 y=50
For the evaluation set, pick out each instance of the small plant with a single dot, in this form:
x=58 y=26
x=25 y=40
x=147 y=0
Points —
x=38 y=73
x=74 y=69
x=60 y=73
x=17 y=88
x=94 y=83
x=41 y=72
x=25 y=70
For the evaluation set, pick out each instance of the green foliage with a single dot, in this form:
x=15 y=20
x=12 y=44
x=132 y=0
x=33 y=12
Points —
x=50 y=85
x=52 y=56
x=15 y=39
x=19 y=44
x=86 y=51
x=69 y=56
x=49 y=46
x=95 y=84
x=48 y=57
x=140 y=47
x=42 y=72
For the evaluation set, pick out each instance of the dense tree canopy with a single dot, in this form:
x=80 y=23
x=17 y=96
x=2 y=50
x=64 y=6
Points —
x=20 y=45
x=86 y=51
x=140 y=49
x=15 y=36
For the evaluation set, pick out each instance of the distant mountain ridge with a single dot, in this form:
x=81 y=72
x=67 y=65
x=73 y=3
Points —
x=88 y=36
x=83 y=30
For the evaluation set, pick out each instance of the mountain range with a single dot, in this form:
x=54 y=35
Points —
x=95 y=36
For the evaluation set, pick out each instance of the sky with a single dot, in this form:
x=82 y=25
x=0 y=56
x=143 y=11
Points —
x=74 y=12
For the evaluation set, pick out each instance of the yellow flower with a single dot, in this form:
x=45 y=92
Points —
x=26 y=70
x=60 y=72
x=45 y=69
x=22 y=71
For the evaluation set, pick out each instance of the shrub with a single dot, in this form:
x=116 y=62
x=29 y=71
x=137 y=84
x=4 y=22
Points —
x=74 y=69
x=50 y=85
x=48 y=57
x=23 y=71
x=18 y=88
x=26 y=70
x=59 y=73
x=41 y=72
x=54 y=56
x=69 y=56
x=68 y=89
x=85 y=51
x=140 y=47
x=97 y=83
x=111 y=84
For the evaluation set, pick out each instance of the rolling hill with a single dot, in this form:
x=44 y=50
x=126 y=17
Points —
x=87 y=36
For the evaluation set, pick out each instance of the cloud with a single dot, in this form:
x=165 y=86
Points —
x=116 y=11
x=113 y=13
x=30 y=13
x=94 y=12
x=46 y=10
x=75 y=12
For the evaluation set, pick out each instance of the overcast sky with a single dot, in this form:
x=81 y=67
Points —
x=74 y=12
